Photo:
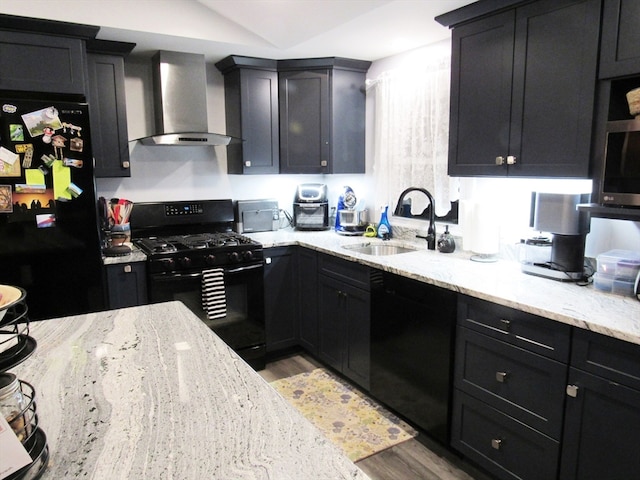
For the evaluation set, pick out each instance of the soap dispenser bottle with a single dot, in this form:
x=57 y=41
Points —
x=384 y=227
x=446 y=243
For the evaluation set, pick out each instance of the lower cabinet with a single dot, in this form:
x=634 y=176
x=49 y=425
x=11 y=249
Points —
x=126 y=284
x=344 y=311
x=308 y=300
x=280 y=297
x=509 y=390
x=602 y=421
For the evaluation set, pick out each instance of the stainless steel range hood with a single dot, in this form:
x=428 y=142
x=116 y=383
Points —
x=180 y=101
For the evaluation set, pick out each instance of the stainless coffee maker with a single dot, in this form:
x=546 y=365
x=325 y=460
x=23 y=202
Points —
x=557 y=214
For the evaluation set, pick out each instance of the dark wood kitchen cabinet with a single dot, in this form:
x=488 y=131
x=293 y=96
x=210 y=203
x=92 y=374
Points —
x=344 y=317
x=619 y=53
x=281 y=297
x=322 y=115
x=43 y=56
x=107 y=106
x=308 y=299
x=126 y=284
x=251 y=109
x=522 y=89
x=602 y=420
x=509 y=390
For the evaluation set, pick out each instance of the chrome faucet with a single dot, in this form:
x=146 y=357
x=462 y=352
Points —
x=431 y=232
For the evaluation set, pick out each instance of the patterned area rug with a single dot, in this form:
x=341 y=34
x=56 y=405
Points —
x=347 y=417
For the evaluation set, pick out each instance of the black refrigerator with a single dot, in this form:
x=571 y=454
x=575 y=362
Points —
x=49 y=235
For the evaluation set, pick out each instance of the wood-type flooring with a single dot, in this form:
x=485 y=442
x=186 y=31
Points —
x=410 y=460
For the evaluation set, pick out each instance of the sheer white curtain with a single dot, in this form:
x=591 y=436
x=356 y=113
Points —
x=412 y=132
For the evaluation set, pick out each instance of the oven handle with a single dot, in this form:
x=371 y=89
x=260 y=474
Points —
x=199 y=274
x=243 y=269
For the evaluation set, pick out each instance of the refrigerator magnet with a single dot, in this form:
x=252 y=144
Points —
x=72 y=162
x=58 y=142
x=42 y=122
x=76 y=144
x=16 y=132
x=6 y=202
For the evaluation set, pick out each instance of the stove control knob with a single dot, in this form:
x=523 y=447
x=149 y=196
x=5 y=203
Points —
x=248 y=255
x=234 y=256
x=168 y=264
x=210 y=259
x=185 y=262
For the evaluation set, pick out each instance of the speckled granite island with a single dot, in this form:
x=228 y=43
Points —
x=151 y=392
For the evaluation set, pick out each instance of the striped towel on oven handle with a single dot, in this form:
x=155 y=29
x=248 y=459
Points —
x=213 y=293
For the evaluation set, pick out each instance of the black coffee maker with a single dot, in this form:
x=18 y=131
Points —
x=557 y=214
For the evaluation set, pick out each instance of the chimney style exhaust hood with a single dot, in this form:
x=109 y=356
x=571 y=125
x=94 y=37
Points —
x=180 y=101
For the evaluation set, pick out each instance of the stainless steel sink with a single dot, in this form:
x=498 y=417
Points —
x=378 y=249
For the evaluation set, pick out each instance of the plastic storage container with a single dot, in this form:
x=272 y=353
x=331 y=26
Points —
x=617 y=271
x=620 y=264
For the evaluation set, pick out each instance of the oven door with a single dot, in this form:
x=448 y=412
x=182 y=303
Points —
x=243 y=326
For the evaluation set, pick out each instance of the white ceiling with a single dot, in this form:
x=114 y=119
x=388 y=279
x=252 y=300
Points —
x=364 y=29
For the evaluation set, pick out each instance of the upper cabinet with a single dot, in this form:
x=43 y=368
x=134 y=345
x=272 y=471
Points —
x=522 y=88
x=44 y=57
x=295 y=116
x=619 y=54
x=322 y=115
x=251 y=107
x=107 y=107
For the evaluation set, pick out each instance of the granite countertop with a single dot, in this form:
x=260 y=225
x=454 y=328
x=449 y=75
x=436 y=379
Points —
x=151 y=392
x=136 y=255
x=501 y=282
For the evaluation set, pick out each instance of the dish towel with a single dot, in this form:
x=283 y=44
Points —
x=213 y=294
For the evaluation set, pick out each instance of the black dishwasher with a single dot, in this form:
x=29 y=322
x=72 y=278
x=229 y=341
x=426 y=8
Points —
x=412 y=336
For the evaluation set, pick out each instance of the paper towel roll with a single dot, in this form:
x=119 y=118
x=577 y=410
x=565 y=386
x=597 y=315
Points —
x=465 y=214
x=485 y=233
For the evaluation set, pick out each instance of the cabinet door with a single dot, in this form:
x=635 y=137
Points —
x=251 y=97
x=332 y=329
x=126 y=284
x=480 y=119
x=307 y=299
x=108 y=115
x=356 y=362
x=280 y=293
x=619 y=54
x=42 y=63
x=304 y=121
x=554 y=78
x=523 y=84
x=602 y=430
x=344 y=328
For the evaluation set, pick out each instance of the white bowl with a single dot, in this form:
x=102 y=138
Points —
x=9 y=296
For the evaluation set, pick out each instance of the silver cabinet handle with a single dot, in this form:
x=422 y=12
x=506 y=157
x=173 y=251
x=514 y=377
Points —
x=572 y=390
x=511 y=160
x=501 y=377
x=500 y=160
x=496 y=443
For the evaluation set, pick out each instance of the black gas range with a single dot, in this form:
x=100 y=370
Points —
x=194 y=256
x=179 y=253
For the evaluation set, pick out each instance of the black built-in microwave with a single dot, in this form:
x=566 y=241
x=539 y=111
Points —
x=620 y=181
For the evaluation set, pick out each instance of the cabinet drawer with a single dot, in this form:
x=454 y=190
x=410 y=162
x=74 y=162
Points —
x=534 y=333
x=520 y=383
x=505 y=447
x=607 y=357
x=346 y=271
